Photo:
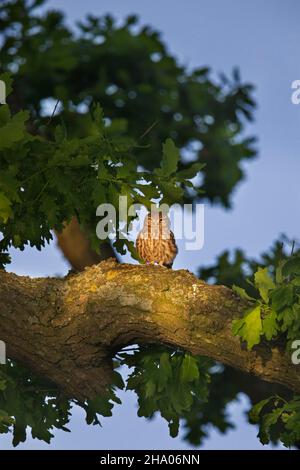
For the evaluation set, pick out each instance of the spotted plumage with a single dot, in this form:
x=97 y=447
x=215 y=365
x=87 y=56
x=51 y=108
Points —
x=156 y=242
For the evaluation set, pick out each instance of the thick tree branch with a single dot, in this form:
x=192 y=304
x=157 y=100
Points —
x=68 y=329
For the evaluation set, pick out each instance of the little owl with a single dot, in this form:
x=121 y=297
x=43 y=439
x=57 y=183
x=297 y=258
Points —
x=156 y=243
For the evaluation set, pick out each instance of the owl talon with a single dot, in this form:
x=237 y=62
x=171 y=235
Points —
x=162 y=265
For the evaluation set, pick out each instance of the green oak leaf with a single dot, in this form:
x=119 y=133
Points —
x=255 y=412
x=282 y=297
x=249 y=328
x=5 y=207
x=191 y=172
x=265 y=427
x=270 y=325
x=242 y=293
x=287 y=317
x=264 y=283
x=170 y=158
x=291 y=266
x=189 y=369
x=14 y=130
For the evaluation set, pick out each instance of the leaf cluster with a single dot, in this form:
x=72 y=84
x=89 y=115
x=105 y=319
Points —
x=277 y=309
x=146 y=93
x=44 y=183
x=278 y=419
x=29 y=402
x=168 y=382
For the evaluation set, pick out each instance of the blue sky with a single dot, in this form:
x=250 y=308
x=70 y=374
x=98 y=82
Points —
x=262 y=39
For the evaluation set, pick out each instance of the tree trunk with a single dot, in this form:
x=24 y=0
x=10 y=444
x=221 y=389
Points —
x=68 y=329
x=76 y=247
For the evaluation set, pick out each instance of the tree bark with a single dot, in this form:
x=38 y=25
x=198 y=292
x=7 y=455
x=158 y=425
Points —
x=77 y=249
x=68 y=329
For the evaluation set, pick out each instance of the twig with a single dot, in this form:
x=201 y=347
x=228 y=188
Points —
x=147 y=130
x=293 y=247
x=53 y=112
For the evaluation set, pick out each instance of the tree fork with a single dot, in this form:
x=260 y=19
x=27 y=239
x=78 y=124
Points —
x=68 y=329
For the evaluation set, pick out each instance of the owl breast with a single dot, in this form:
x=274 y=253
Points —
x=157 y=250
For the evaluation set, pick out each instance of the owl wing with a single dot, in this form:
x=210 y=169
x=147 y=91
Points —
x=172 y=251
x=172 y=238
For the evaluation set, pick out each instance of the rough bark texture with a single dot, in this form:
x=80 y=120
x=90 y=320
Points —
x=68 y=329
